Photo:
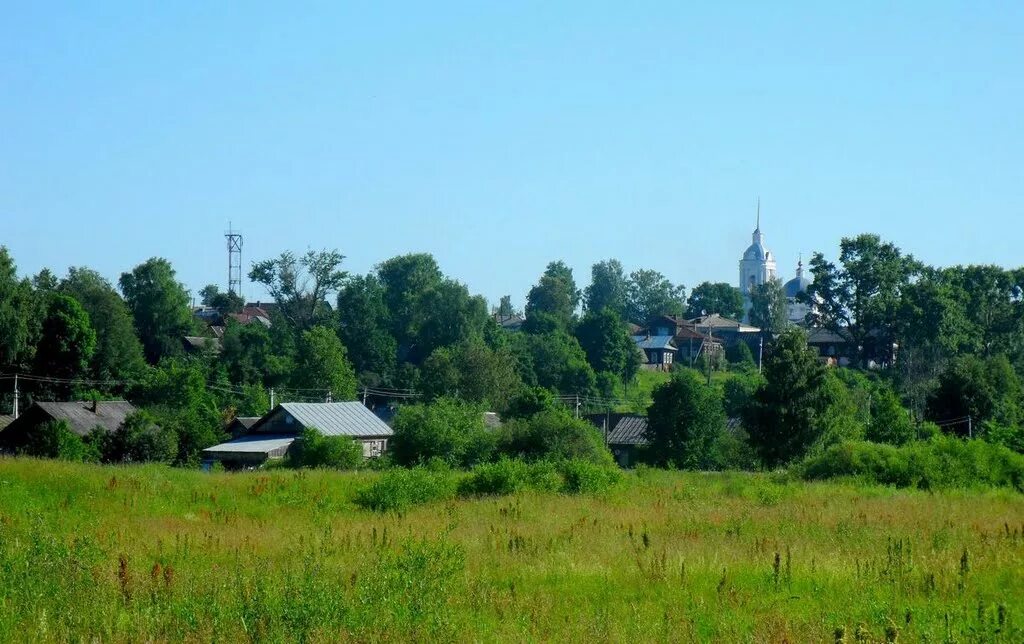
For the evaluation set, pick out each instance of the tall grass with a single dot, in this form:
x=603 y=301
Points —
x=97 y=553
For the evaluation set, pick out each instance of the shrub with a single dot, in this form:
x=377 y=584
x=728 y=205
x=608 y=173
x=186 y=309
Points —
x=890 y=422
x=509 y=476
x=399 y=489
x=943 y=462
x=313 y=449
x=553 y=435
x=139 y=440
x=55 y=440
x=582 y=477
x=447 y=429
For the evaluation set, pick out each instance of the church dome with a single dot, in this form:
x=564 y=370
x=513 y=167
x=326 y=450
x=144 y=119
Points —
x=795 y=286
x=798 y=284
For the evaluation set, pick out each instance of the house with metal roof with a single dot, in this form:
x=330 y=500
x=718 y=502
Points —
x=272 y=435
x=658 y=351
x=81 y=417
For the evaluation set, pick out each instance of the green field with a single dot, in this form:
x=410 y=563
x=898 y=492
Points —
x=93 y=553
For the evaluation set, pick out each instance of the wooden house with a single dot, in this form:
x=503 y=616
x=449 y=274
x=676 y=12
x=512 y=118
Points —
x=272 y=435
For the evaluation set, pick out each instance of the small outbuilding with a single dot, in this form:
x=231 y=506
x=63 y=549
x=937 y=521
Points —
x=624 y=434
x=273 y=435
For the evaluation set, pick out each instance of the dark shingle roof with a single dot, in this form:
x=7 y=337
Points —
x=338 y=419
x=629 y=430
x=81 y=418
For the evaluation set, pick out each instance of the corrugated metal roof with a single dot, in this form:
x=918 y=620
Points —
x=655 y=342
x=628 y=431
x=252 y=444
x=80 y=417
x=339 y=419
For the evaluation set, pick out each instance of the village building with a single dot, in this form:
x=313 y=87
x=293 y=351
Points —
x=81 y=417
x=624 y=434
x=657 y=351
x=273 y=435
x=687 y=340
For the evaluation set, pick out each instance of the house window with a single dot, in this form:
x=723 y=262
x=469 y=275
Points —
x=668 y=358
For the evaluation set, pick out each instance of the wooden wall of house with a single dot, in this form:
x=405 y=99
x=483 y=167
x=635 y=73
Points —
x=279 y=422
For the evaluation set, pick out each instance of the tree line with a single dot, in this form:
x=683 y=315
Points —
x=952 y=337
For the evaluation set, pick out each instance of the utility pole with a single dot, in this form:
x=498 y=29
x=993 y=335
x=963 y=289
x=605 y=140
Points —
x=970 y=427
x=329 y=396
x=707 y=355
x=577 y=405
x=364 y=396
x=15 y=396
x=760 y=353
x=271 y=397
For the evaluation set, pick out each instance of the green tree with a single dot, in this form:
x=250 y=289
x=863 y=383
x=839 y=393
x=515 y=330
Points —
x=684 y=422
x=176 y=398
x=553 y=360
x=68 y=340
x=473 y=372
x=505 y=308
x=609 y=288
x=739 y=354
x=249 y=356
x=784 y=417
x=17 y=322
x=449 y=315
x=555 y=295
x=987 y=390
x=860 y=299
x=768 y=309
x=719 y=297
x=649 y=293
x=118 y=354
x=529 y=401
x=738 y=390
x=140 y=440
x=363 y=327
x=323 y=364
x=890 y=422
x=449 y=430
x=606 y=341
x=555 y=435
x=225 y=303
x=159 y=306
x=406 y=278
x=301 y=285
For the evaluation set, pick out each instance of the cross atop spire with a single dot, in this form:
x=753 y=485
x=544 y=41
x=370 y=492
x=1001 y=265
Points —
x=758 y=227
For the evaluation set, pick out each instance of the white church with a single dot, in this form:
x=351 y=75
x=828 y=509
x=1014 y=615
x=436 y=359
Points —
x=758 y=267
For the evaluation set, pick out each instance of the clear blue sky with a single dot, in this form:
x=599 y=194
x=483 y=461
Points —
x=500 y=136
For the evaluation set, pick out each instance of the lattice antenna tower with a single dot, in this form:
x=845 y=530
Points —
x=234 y=239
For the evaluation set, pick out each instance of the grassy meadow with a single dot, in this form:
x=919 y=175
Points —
x=103 y=553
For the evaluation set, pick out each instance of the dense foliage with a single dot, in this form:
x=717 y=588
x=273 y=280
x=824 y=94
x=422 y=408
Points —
x=933 y=350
